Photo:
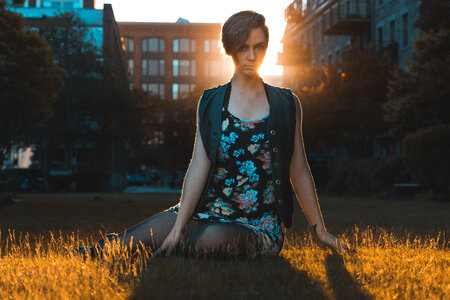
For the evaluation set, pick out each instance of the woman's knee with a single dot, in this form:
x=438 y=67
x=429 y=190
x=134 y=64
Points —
x=219 y=238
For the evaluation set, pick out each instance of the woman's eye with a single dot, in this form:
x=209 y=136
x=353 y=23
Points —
x=243 y=48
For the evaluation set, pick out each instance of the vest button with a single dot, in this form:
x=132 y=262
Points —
x=276 y=165
x=272 y=132
x=280 y=201
x=278 y=182
x=275 y=149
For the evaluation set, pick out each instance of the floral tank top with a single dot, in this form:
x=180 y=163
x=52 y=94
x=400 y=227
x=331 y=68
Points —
x=241 y=189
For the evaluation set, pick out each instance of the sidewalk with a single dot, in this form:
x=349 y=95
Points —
x=151 y=189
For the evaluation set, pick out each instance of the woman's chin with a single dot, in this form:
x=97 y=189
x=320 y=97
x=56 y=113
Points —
x=250 y=73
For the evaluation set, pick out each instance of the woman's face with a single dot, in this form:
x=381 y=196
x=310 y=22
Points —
x=249 y=57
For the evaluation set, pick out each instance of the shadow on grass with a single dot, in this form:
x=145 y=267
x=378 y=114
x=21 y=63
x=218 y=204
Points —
x=191 y=278
x=341 y=281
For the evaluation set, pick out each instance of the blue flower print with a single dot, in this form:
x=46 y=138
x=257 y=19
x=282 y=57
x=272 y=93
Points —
x=245 y=125
x=241 y=180
x=242 y=219
x=254 y=177
x=257 y=137
x=267 y=221
x=230 y=139
x=253 y=148
x=221 y=173
x=248 y=202
x=202 y=216
x=268 y=193
x=236 y=153
x=229 y=182
x=247 y=167
x=220 y=207
x=225 y=124
x=227 y=191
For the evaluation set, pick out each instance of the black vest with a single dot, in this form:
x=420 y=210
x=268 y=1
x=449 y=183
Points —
x=281 y=131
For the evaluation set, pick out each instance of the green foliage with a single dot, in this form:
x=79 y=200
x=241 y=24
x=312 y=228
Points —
x=346 y=107
x=29 y=81
x=434 y=15
x=418 y=98
x=425 y=153
x=364 y=177
x=95 y=107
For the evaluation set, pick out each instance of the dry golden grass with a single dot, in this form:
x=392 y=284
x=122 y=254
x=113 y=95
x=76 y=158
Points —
x=402 y=253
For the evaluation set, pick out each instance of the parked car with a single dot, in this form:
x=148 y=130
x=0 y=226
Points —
x=22 y=179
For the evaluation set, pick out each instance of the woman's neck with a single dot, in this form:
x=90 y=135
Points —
x=240 y=81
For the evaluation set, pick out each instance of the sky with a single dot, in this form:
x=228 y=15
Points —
x=207 y=11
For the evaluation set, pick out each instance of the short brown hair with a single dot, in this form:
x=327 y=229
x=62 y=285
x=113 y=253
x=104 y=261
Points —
x=237 y=28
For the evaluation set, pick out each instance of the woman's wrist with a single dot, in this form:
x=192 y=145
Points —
x=318 y=230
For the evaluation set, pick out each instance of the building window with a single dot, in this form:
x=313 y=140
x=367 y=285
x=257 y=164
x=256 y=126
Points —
x=130 y=66
x=405 y=30
x=183 y=67
x=392 y=31
x=380 y=37
x=153 y=67
x=51 y=4
x=338 y=55
x=211 y=45
x=153 y=45
x=181 y=90
x=183 y=45
x=213 y=67
x=128 y=44
x=154 y=89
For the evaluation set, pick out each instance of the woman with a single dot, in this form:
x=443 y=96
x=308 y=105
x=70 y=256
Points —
x=248 y=151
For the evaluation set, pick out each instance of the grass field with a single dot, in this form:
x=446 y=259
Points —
x=402 y=253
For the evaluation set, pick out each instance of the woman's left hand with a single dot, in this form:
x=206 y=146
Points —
x=335 y=243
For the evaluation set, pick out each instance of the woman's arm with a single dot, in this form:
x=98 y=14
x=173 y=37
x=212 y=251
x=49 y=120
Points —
x=194 y=181
x=305 y=189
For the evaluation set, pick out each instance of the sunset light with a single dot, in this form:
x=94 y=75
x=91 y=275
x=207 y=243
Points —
x=202 y=11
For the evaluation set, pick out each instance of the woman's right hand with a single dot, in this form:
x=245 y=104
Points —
x=169 y=244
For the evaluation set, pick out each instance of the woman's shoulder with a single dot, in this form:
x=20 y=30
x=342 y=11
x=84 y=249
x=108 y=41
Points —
x=216 y=92
x=279 y=89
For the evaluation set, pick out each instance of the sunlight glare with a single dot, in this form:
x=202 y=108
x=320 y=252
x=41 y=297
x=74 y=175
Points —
x=203 y=11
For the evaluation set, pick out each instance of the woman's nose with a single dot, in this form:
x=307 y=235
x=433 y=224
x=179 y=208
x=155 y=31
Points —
x=251 y=54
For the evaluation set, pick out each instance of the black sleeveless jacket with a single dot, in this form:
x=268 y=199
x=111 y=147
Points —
x=281 y=133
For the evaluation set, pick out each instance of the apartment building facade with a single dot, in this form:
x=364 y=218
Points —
x=319 y=31
x=56 y=4
x=171 y=59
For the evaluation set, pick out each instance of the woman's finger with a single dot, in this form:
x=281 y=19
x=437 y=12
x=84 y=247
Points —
x=160 y=249
x=170 y=250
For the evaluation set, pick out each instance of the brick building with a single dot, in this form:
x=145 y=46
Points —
x=171 y=59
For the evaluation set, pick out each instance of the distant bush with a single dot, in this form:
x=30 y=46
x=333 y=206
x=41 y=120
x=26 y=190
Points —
x=88 y=180
x=364 y=177
x=426 y=155
x=60 y=183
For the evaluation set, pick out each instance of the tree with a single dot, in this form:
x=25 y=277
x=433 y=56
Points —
x=94 y=108
x=29 y=81
x=418 y=97
x=346 y=107
x=417 y=109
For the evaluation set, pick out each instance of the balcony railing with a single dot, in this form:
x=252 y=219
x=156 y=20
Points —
x=346 y=17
